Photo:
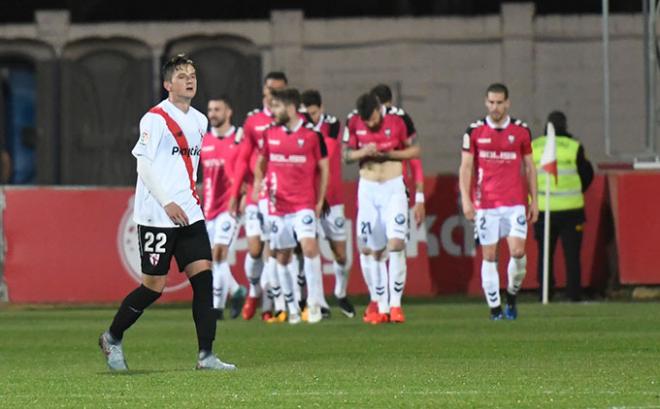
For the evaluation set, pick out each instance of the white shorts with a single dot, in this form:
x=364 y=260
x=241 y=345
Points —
x=256 y=220
x=287 y=230
x=333 y=225
x=222 y=229
x=507 y=221
x=382 y=213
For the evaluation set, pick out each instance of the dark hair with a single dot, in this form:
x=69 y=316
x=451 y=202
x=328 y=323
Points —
x=366 y=105
x=558 y=120
x=288 y=96
x=383 y=93
x=224 y=98
x=311 y=97
x=498 y=88
x=173 y=63
x=276 y=75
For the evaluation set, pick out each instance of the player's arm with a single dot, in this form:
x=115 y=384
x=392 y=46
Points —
x=411 y=151
x=465 y=184
x=324 y=173
x=530 y=172
x=350 y=152
x=151 y=133
x=240 y=168
x=259 y=172
x=419 y=211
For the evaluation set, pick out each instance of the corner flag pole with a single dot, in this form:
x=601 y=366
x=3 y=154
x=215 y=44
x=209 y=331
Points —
x=546 y=240
x=549 y=166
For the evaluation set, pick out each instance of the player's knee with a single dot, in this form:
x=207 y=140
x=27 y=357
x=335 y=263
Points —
x=366 y=251
x=310 y=248
x=517 y=252
x=396 y=245
x=154 y=283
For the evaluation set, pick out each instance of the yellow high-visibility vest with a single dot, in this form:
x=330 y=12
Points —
x=567 y=193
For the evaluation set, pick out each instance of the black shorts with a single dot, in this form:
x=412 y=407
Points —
x=158 y=245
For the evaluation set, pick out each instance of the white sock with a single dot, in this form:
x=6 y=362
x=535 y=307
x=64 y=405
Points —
x=516 y=271
x=397 y=279
x=232 y=284
x=294 y=271
x=313 y=276
x=267 y=294
x=253 y=271
x=287 y=288
x=490 y=281
x=379 y=281
x=275 y=285
x=341 y=279
x=367 y=263
x=217 y=285
x=229 y=285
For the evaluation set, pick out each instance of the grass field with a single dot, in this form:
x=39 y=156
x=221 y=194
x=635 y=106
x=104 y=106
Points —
x=449 y=355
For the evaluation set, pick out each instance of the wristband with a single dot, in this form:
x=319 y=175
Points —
x=419 y=197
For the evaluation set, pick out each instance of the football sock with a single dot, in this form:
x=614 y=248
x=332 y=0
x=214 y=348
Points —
x=516 y=270
x=130 y=310
x=397 y=278
x=275 y=286
x=253 y=269
x=367 y=264
x=287 y=288
x=490 y=281
x=379 y=281
x=218 y=299
x=202 y=309
x=313 y=276
x=294 y=271
x=341 y=279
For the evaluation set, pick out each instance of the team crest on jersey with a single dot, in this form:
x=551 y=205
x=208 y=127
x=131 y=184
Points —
x=154 y=258
x=301 y=142
x=512 y=139
x=400 y=218
x=307 y=219
x=388 y=132
x=144 y=137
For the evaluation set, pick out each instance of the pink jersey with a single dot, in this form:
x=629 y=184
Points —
x=292 y=159
x=329 y=127
x=217 y=159
x=390 y=135
x=255 y=124
x=498 y=158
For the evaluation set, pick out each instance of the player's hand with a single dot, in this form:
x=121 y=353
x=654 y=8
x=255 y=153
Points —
x=370 y=150
x=232 y=206
x=419 y=212
x=468 y=211
x=533 y=212
x=176 y=214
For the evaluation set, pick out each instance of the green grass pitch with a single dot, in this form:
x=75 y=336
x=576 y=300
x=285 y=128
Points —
x=448 y=355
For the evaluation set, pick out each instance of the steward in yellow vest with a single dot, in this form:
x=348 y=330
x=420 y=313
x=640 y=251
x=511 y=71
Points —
x=566 y=203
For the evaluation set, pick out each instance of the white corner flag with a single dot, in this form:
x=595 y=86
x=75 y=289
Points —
x=549 y=166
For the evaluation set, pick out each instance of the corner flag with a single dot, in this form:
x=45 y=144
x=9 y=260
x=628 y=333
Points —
x=549 y=157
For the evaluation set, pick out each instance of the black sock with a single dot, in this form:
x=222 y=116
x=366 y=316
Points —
x=202 y=309
x=131 y=309
x=496 y=311
x=510 y=299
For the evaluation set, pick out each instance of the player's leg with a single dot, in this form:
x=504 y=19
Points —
x=488 y=230
x=193 y=256
x=156 y=250
x=225 y=231
x=334 y=229
x=254 y=264
x=367 y=217
x=397 y=226
x=514 y=226
x=305 y=229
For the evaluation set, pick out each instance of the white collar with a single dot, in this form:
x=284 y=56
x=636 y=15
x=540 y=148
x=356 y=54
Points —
x=492 y=124
x=317 y=126
x=226 y=134
x=295 y=128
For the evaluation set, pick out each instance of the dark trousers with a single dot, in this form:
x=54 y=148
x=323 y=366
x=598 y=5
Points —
x=569 y=229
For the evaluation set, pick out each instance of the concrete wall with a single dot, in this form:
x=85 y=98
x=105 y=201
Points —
x=438 y=67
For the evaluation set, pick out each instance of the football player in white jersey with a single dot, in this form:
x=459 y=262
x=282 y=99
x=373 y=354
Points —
x=169 y=217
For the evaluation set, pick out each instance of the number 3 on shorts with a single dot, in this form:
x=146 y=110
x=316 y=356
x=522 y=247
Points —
x=150 y=238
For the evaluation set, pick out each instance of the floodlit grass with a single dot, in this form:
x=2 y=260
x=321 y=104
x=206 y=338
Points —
x=448 y=354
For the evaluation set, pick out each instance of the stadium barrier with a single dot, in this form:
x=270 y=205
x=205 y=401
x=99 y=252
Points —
x=79 y=245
